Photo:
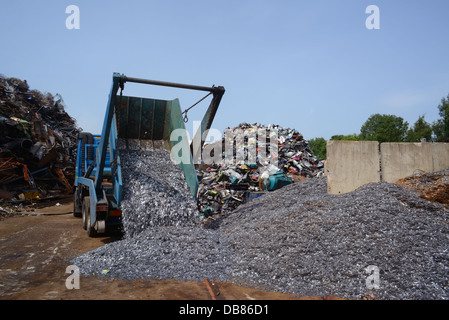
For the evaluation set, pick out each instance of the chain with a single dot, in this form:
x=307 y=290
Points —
x=186 y=110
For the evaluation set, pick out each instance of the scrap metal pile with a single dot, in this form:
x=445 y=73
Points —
x=38 y=141
x=228 y=183
x=432 y=186
x=157 y=209
x=155 y=192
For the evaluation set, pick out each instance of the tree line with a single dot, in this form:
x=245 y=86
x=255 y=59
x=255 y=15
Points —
x=391 y=128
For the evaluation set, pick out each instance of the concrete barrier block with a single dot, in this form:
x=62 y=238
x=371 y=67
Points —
x=403 y=159
x=351 y=164
x=440 y=154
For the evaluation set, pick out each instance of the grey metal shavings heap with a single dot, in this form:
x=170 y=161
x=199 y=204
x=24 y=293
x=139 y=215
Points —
x=155 y=192
x=160 y=253
x=301 y=240
x=297 y=239
x=163 y=237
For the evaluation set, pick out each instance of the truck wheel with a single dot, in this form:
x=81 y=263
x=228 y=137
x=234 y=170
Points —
x=85 y=211
x=77 y=211
x=91 y=232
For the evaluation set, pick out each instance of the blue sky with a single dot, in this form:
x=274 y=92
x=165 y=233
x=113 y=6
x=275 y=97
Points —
x=308 y=65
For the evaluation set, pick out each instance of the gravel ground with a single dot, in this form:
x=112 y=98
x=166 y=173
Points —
x=298 y=239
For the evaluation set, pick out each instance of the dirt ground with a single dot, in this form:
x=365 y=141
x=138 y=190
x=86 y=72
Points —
x=35 y=250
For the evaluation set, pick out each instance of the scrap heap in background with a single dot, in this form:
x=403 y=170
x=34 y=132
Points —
x=38 y=142
x=225 y=185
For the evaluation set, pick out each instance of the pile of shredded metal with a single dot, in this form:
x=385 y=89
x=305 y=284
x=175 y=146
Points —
x=298 y=239
x=155 y=192
x=163 y=237
x=304 y=241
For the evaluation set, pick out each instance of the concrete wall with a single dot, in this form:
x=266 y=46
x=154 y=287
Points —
x=440 y=153
x=351 y=164
x=400 y=160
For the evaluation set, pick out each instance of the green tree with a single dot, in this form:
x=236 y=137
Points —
x=384 y=128
x=441 y=126
x=421 y=129
x=348 y=137
x=318 y=147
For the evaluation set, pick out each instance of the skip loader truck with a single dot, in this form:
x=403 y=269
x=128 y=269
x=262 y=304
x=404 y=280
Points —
x=143 y=121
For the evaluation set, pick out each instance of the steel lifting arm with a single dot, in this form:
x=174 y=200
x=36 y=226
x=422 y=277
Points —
x=209 y=116
x=117 y=82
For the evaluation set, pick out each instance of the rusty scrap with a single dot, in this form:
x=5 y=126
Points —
x=433 y=186
x=38 y=142
x=63 y=180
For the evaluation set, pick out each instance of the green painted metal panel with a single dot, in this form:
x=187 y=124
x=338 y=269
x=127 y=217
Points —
x=122 y=116
x=134 y=118
x=158 y=125
x=177 y=122
x=147 y=116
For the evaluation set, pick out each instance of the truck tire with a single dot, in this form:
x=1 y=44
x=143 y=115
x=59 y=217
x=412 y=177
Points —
x=85 y=211
x=91 y=232
x=77 y=209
